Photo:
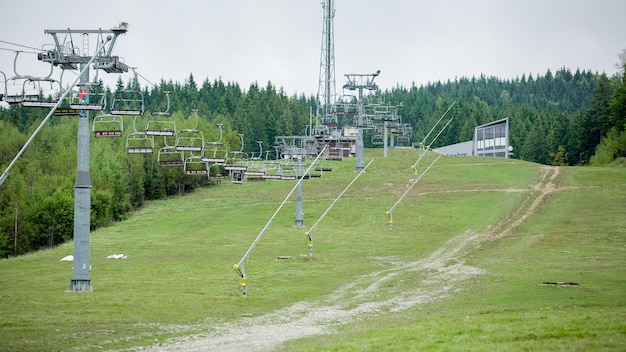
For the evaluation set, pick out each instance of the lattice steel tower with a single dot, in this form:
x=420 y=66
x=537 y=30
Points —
x=326 y=91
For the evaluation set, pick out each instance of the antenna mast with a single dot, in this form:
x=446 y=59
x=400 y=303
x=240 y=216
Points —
x=326 y=91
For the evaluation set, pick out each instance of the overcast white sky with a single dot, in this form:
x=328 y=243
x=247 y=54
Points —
x=280 y=40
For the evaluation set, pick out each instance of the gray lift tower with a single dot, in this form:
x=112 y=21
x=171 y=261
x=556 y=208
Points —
x=326 y=92
x=69 y=57
x=359 y=82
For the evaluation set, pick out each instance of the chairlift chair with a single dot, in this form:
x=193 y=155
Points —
x=168 y=155
x=161 y=123
x=272 y=172
x=90 y=98
x=260 y=155
x=287 y=175
x=195 y=166
x=255 y=169
x=190 y=139
x=238 y=162
x=215 y=154
x=127 y=102
x=108 y=125
x=238 y=158
x=377 y=139
x=335 y=154
x=32 y=91
x=139 y=142
x=325 y=166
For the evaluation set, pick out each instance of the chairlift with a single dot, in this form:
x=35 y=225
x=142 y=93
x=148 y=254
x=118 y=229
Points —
x=255 y=169
x=168 y=155
x=127 y=102
x=260 y=155
x=377 y=139
x=32 y=91
x=91 y=97
x=215 y=152
x=190 y=139
x=325 y=166
x=287 y=174
x=161 y=123
x=108 y=125
x=238 y=164
x=238 y=158
x=272 y=172
x=139 y=142
x=195 y=166
x=219 y=141
x=335 y=154
x=346 y=104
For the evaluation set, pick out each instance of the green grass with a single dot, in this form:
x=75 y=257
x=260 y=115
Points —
x=179 y=279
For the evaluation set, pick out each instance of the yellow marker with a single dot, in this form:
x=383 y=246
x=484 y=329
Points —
x=236 y=267
x=311 y=244
x=242 y=282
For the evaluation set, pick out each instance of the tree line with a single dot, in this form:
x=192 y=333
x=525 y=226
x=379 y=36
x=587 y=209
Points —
x=560 y=118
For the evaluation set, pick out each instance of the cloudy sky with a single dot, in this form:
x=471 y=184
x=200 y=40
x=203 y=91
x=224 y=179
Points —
x=280 y=40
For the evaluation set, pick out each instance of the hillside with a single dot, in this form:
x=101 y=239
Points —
x=463 y=267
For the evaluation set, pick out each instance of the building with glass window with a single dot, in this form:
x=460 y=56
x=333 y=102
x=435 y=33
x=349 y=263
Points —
x=490 y=139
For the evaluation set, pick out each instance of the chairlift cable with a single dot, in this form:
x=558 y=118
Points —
x=20 y=45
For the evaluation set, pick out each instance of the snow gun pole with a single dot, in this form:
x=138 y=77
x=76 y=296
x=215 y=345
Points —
x=309 y=233
x=5 y=174
x=414 y=167
x=390 y=211
x=240 y=267
x=435 y=125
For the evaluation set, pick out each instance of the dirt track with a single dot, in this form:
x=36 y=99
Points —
x=441 y=274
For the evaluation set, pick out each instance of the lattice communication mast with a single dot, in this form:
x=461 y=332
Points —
x=326 y=92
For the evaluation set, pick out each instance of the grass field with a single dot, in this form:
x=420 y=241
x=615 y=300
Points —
x=463 y=268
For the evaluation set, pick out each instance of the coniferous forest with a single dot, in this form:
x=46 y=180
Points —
x=559 y=118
